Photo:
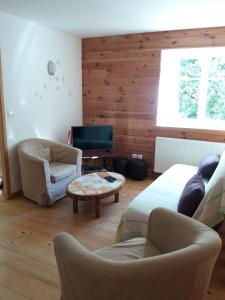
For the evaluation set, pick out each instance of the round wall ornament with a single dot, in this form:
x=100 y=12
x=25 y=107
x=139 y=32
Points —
x=51 y=67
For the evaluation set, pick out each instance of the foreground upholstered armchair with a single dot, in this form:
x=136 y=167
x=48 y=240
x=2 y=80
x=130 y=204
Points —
x=47 y=168
x=175 y=261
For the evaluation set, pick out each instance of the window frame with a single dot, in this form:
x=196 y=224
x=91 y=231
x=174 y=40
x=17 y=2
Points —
x=170 y=60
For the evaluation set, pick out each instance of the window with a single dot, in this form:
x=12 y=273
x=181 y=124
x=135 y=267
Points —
x=192 y=88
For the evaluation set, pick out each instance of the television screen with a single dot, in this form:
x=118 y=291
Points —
x=92 y=137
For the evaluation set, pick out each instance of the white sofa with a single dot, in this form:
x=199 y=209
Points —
x=165 y=192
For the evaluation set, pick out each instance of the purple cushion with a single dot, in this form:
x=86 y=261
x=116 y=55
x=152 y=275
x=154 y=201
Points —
x=208 y=166
x=191 y=196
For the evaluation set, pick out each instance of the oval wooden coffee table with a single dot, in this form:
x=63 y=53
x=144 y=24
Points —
x=94 y=187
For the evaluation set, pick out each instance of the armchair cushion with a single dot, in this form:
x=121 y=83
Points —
x=43 y=153
x=60 y=171
x=129 y=250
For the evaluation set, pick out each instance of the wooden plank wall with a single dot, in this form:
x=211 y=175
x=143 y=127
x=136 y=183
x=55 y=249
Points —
x=120 y=86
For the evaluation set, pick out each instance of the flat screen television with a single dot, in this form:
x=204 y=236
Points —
x=93 y=137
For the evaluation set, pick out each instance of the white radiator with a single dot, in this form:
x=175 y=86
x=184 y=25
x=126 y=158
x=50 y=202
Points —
x=170 y=151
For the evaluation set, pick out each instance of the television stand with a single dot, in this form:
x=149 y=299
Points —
x=96 y=160
x=92 y=169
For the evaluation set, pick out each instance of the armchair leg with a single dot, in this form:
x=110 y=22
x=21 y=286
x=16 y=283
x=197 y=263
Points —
x=98 y=208
x=117 y=197
x=75 y=205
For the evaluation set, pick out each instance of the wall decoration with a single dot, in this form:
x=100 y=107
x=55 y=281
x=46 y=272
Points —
x=55 y=82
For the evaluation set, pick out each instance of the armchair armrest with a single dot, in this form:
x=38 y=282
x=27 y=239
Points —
x=176 y=230
x=35 y=175
x=34 y=167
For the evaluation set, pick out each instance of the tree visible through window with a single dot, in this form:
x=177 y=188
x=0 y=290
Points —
x=190 y=72
x=215 y=108
x=192 y=88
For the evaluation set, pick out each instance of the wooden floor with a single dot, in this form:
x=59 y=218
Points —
x=27 y=264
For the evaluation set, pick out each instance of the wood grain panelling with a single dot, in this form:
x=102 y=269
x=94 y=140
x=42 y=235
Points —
x=120 y=86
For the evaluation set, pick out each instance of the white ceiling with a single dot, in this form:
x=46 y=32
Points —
x=89 y=18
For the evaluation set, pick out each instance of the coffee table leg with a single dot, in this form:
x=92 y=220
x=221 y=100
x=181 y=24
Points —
x=117 y=197
x=75 y=205
x=98 y=208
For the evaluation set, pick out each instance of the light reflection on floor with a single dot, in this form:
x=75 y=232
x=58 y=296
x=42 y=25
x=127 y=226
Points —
x=1 y=195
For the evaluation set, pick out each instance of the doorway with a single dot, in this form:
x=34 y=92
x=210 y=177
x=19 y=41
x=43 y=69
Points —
x=1 y=182
x=4 y=158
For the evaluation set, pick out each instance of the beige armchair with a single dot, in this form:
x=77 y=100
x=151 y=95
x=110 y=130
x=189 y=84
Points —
x=175 y=261
x=47 y=168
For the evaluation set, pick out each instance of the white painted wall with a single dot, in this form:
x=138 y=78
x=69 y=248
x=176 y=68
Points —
x=40 y=105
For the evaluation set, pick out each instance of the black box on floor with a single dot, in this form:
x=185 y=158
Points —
x=137 y=169
x=120 y=165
